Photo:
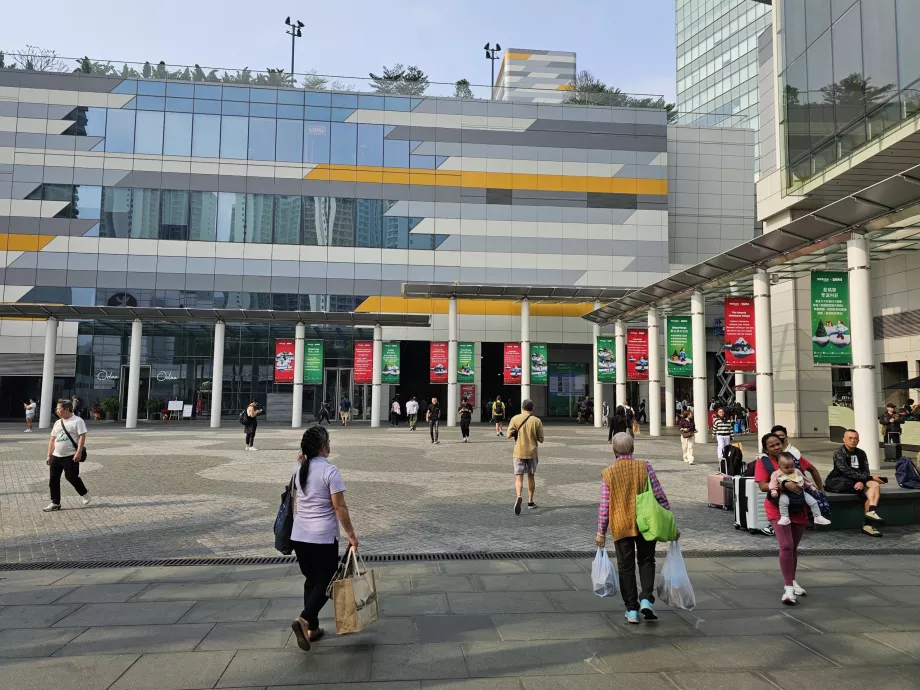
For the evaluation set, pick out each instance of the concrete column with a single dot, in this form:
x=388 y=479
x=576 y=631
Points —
x=763 y=339
x=698 y=326
x=525 y=349
x=453 y=398
x=217 y=374
x=864 y=400
x=620 y=340
x=654 y=375
x=598 y=386
x=670 y=404
x=46 y=404
x=740 y=395
x=377 y=376
x=134 y=373
x=300 y=333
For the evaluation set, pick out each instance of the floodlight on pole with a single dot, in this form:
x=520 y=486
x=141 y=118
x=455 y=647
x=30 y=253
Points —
x=294 y=32
x=492 y=54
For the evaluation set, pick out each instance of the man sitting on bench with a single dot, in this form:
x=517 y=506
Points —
x=851 y=476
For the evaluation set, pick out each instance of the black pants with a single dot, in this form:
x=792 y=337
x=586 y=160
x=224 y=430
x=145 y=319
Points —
x=465 y=428
x=251 y=434
x=630 y=550
x=433 y=429
x=71 y=471
x=318 y=563
x=323 y=417
x=641 y=417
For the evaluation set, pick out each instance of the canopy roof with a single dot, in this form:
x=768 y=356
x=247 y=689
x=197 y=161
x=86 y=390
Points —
x=532 y=293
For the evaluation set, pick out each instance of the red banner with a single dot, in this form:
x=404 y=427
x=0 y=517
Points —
x=636 y=354
x=468 y=393
x=752 y=422
x=364 y=362
x=739 y=334
x=512 y=370
x=438 y=362
x=284 y=361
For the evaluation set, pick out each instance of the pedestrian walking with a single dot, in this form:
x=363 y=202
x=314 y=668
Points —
x=622 y=420
x=319 y=508
x=527 y=431
x=412 y=412
x=466 y=416
x=605 y=413
x=722 y=428
x=621 y=482
x=641 y=417
x=324 y=413
x=498 y=416
x=65 y=452
x=687 y=432
x=30 y=414
x=77 y=406
x=345 y=410
x=433 y=417
x=395 y=411
x=252 y=423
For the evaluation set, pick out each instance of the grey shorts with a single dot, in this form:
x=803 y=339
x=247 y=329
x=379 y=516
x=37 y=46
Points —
x=525 y=466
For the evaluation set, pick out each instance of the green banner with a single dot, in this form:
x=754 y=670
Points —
x=830 y=318
x=466 y=365
x=313 y=362
x=606 y=360
x=538 y=364
x=390 y=358
x=680 y=346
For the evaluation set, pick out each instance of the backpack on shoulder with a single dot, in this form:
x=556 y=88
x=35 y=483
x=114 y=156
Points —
x=244 y=417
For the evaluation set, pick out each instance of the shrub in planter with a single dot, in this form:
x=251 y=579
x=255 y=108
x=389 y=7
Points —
x=110 y=408
x=153 y=406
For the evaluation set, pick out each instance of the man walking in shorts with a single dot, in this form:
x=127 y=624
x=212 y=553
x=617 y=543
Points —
x=345 y=410
x=498 y=416
x=527 y=430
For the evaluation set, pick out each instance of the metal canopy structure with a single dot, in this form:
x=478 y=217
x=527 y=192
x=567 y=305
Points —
x=888 y=211
x=184 y=315
x=532 y=293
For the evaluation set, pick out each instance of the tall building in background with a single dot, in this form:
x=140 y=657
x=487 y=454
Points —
x=717 y=62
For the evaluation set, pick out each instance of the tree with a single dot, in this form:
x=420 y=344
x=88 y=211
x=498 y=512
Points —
x=200 y=74
x=404 y=81
x=2 y=61
x=87 y=66
x=855 y=90
x=39 y=60
x=275 y=77
x=314 y=81
x=462 y=89
x=586 y=89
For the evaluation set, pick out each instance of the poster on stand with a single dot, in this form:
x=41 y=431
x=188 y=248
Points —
x=390 y=372
x=466 y=365
x=437 y=362
x=364 y=362
x=511 y=374
x=313 y=362
x=538 y=364
x=468 y=393
x=636 y=354
x=680 y=346
x=606 y=360
x=284 y=361
x=738 y=339
x=830 y=318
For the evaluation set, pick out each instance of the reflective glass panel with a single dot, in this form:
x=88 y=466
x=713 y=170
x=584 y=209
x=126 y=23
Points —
x=847 y=93
x=150 y=103
x=231 y=217
x=316 y=211
x=396 y=153
x=208 y=91
x=396 y=228
x=145 y=214
x=290 y=97
x=369 y=225
x=341 y=222
x=817 y=18
x=820 y=84
x=234 y=135
x=174 y=215
x=315 y=113
x=236 y=93
x=263 y=95
x=149 y=136
x=119 y=131
x=796 y=97
x=259 y=218
x=289 y=141
x=263 y=110
x=87 y=202
x=203 y=216
x=288 y=217
x=116 y=209
x=793 y=28
x=90 y=122
x=210 y=107
x=261 y=139
x=234 y=108
x=344 y=143
x=151 y=88
x=344 y=100
x=880 y=56
x=909 y=49
x=206 y=136
x=318 y=98
x=177 y=140
x=174 y=88
x=316 y=142
x=180 y=105
x=370 y=144
x=291 y=112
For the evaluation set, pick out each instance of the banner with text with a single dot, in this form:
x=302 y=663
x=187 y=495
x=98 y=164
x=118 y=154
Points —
x=466 y=366
x=437 y=362
x=636 y=354
x=364 y=362
x=512 y=370
x=538 y=364
x=830 y=318
x=468 y=393
x=680 y=346
x=390 y=373
x=738 y=340
x=606 y=360
x=284 y=361
x=313 y=362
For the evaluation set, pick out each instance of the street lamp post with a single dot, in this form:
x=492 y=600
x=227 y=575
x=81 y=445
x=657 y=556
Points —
x=492 y=55
x=294 y=32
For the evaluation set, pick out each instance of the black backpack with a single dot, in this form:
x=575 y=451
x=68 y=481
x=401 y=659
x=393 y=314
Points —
x=244 y=417
x=732 y=461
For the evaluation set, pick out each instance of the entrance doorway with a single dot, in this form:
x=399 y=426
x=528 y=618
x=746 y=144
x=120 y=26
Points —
x=142 y=394
x=338 y=382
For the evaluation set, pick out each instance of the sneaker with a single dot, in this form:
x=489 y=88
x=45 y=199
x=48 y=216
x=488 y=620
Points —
x=789 y=596
x=784 y=520
x=645 y=607
x=821 y=520
x=246 y=448
x=253 y=448
x=87 y=499
x=767 y=531
x=798 y=590
x=52 y=506
x=871 y=531
x=517 y=505
x=632 y=617
x=25 y=431
x=872 y=515
x=498 y=433
x=437 y=443
x=531 y=505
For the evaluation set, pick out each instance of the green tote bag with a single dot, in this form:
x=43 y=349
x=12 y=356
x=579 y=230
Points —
x=655 y=522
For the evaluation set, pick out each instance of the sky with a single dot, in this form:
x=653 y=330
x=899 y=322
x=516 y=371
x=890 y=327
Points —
x=625 y=43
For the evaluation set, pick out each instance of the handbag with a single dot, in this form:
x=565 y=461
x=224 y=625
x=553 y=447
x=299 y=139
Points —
x=635 y=428
x=655 y=522
x=515 y=432
x=284 y=521
x=354 y=596
x=75 y=446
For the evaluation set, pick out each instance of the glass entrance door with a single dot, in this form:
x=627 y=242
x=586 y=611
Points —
x=336 y=384
x=142 y=395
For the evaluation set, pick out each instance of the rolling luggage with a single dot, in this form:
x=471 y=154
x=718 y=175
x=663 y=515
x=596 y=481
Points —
x=749 y=509
x=893 y=452
x=719 y=496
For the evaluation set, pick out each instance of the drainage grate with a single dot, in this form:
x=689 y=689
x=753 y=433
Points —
x=452 y=556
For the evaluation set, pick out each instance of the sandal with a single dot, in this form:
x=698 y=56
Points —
x=301 y=632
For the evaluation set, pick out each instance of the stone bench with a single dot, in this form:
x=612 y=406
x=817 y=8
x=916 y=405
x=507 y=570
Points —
x=897 y=506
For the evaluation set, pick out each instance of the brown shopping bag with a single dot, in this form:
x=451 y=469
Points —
x=635 y=428
x=355 y=597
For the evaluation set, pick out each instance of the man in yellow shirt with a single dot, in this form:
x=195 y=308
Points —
x=527 y=431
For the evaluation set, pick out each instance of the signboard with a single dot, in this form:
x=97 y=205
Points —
x=284 y=361
x=364 y=362
x=739 y=334
x=511 y=374
x=437 y=362
x=830 y=318
x=680 y=346
x=468 y=392
x=174 y=405
x=187 y=411
x=606 y=360
x=391 y=363
x=313 y=362
x=567 y=383
x=636 y=354
x=538 y=364
x=466 y=364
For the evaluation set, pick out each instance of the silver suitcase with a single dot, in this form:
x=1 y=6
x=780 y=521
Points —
x=749 y=509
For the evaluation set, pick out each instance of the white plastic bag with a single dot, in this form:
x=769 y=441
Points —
x=603 y=574
x=672 y=585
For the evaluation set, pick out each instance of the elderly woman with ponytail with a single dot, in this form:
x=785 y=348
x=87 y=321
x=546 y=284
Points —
x=319 y=507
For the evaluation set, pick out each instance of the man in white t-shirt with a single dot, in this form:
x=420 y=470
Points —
x=30 y=414
x=65 y=450
x=412 y=412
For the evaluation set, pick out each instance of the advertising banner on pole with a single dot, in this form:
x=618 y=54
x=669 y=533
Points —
x=680 y=346
x=466 y=366
x=468 y=393
x=313 y=362
x=284 y=361
x=636 y=354
x=512 y=371
x=538 y=364
x=437 y=362
x=364 y=362
x=606 y=360
x=830 y=318
x=738 y=339
x=391 y=363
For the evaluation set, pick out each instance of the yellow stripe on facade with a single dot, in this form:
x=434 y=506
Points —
x=488 y=180
x=517 y=56
x=24 y=243
x=415 y=305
